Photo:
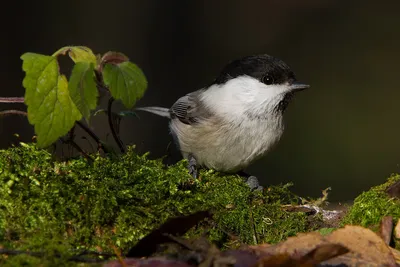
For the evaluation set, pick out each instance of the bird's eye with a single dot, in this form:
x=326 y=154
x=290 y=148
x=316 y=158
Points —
x=268 y=80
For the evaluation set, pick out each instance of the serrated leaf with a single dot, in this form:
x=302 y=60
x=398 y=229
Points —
x=78 y=53
x=82 y=88
x=126 y=82
x=50 y=108
x=35 y=66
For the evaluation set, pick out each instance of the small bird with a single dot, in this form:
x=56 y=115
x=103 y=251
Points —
x=235 y=120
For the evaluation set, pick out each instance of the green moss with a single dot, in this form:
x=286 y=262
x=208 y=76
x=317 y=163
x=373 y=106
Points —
x=369 y=207
x=61 y=207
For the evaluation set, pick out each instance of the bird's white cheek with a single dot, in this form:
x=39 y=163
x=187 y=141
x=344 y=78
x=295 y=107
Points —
x=267 y=96
x=240 y=95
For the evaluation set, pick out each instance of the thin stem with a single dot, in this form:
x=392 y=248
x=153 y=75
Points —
x=71 y=133
x=77 y=147
x=13 y=112
x=89 y=143
x=11 y=100
x=110 y=122
x=93 y=135
x=71 y=136
x=252 y=221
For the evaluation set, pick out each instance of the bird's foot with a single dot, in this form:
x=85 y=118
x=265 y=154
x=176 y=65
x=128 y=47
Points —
x=192 y=166
x=251 y=181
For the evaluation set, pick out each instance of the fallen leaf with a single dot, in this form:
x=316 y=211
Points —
x=397 y=230
x=386 y=229
x=365 y=247
x=153 y=262
x=314 y=257
x=323 y=253
x=175 y=226
x=396 y=255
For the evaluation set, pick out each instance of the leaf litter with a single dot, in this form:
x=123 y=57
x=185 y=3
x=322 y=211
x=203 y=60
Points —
x=348 y=246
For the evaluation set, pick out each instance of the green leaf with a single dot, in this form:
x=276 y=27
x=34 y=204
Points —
x=50 y=108
x=83 y=89
x=126 y=82
x=78 y=53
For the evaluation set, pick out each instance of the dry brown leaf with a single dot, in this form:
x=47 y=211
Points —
x=396 y=255
x=366 y=247
x=386 y=229
x=280 y=260
x=323 y=253
x=314 y=257
x=397 y=230
x=295 y=246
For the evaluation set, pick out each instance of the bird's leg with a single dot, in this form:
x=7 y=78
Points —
x=251 y=181
x=192 y=166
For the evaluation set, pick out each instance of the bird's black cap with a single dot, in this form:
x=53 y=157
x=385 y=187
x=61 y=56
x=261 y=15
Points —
x=265 y=68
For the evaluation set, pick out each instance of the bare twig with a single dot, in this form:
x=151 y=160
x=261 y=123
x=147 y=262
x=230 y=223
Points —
x=11 y=100
x=110 y=122
x=118 y=254
x=99 y=81
x=77 y=147
x=255 y=237
x=89 y=143
x=93 y=135
x=71 y=133
x=13 y=112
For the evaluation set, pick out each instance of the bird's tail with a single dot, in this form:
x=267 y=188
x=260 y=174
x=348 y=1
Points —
x=163 y=112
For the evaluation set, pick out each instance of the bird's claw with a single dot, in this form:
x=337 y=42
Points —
x=192 y=166
x=253 y=183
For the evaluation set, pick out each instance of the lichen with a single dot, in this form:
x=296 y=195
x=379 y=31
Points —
x=59 y=208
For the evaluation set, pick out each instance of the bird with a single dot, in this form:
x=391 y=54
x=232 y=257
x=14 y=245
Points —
x=235 y=120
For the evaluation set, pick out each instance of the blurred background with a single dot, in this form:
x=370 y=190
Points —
x=342 y=133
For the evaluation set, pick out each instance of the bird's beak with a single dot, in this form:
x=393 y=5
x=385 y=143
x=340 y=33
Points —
x=296 y=86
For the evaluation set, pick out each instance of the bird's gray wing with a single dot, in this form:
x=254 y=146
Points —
x=189 y=109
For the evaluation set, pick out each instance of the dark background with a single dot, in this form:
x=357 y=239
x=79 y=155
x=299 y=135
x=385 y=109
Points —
x=342 y=133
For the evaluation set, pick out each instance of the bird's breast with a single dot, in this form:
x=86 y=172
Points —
x=228 y=145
